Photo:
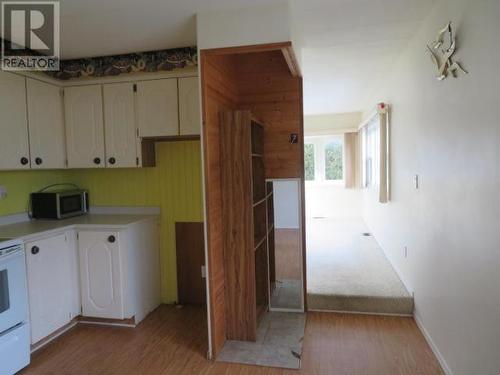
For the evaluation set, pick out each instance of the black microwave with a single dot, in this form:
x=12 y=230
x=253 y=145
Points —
x=59 y=204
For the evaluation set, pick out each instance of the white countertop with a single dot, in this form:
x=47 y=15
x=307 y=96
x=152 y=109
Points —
x=37 y=227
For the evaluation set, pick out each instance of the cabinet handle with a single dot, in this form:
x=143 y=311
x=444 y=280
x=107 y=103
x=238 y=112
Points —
x=24 y=161
x=38 y=161
x=112 y=160
x=97 y=160
x=35 y=250
x=111 y=239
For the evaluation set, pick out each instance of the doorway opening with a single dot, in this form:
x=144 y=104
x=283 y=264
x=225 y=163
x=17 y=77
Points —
x=346 y=268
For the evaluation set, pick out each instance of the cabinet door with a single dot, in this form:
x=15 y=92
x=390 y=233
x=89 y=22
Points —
x=119 y=125
x=14 y=151
x=46 y=125
x=189 y=106
x=101 y=274
x=49 y=278
x=157 y=108
x=84 y=126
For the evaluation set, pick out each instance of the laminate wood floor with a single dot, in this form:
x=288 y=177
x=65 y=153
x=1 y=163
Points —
x=174 y=341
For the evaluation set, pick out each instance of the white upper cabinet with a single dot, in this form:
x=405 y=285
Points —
x=119 y=125
x=46 y=125
x=84 y=126
x=92 y=125
x=14 y=148
x=157 y=108
x=189 y=106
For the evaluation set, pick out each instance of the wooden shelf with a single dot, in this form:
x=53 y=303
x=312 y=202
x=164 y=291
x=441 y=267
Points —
x=260 y=310
x=259 y=202
x=256 y=120
x=258 y=179
x=244 y=216
x=148 y=146
x=271 y=227
x=256 y=247
x=257 y=135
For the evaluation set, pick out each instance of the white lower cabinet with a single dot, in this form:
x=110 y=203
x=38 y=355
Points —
x=50 y=268
x=94 y=271
x=101 y=274
x=119 y=271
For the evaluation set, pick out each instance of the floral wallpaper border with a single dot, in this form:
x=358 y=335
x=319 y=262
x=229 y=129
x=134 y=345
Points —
x=152 y=61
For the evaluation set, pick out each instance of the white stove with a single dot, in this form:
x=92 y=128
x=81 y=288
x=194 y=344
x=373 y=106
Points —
x=14 y=327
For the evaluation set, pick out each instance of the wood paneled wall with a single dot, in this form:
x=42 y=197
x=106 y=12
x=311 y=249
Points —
x=262 y=82
x=219 y=93
x=274 y=96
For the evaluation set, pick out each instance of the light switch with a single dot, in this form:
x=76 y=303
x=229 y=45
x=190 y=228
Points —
x=3 y=192
x=415 y=182
x=203 y=272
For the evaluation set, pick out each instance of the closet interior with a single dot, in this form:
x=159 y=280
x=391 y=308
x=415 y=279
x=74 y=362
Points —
x=252 y=134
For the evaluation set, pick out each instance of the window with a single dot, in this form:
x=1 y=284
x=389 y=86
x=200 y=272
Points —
x=371 y=153
x=333 y=160
x=324 y=158
x=309 y=161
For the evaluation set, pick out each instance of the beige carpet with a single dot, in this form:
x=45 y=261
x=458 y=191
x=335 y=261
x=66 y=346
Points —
x=347 y=271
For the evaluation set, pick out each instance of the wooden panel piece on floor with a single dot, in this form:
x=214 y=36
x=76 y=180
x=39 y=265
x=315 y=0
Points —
x=190 y=244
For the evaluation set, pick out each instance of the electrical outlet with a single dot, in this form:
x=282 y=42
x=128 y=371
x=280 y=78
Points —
x=3 y=192
x=406 y=251
x=416 y=182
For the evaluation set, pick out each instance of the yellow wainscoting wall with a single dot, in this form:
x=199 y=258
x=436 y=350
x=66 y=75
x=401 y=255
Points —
x=20 y=184
x=174 y=185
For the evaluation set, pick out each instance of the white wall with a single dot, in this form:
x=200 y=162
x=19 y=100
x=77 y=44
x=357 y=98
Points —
x=334 y=201
x=449 y=134
x=332 y=123
x=286 y=201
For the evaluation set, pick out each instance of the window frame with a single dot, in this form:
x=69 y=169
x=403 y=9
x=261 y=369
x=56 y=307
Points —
x=320 y=142
x=314 y=160
x=370 y=144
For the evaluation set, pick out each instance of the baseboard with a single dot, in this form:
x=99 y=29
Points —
x=108 y=322
x=128 y=323
x=281 y=309
x=360 y=313
x=40 y=344
x=394 y=266
x=433 y=346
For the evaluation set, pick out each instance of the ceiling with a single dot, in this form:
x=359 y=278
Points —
x=348 y=44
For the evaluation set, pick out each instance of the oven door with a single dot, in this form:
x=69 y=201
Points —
x=13 y=292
